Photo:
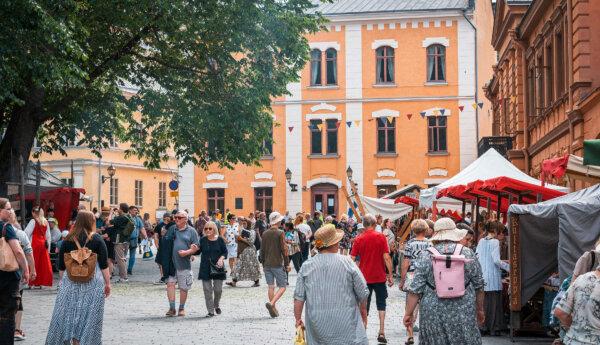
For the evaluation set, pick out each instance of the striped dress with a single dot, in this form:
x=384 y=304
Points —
x=78 y=312
x=332 y=287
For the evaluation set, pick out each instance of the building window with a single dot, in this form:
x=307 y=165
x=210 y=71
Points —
x=263 y=199
x=67 y=181
x=437 y=133
x=216 y=199
x=162 y=194
x=549 y=75
x=383 y=190
x=386 y=135
x=332 y=136
x=268 y=145
x=112 y=142
x=329 y=141
x=114 y=191
x=315 y=67
x=436 y=63
x=316 y=145
x=331 y=66
x=539 y=75
x=138 y=192
x=384 y=65
x=560 y=61
x=531 y=98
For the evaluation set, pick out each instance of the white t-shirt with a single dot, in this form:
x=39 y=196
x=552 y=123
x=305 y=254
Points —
x=378 y=228
x=305 y=229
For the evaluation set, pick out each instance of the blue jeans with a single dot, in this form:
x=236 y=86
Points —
x=131 y=259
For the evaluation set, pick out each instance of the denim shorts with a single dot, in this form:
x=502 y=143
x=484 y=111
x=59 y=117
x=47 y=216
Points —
x=275 y=274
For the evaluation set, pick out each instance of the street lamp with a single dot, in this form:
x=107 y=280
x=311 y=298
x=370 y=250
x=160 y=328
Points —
x=349 y=173
x=288 y=177
x=111 y=170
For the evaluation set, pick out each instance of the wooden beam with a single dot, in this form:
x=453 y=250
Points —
x=405 y=229
x=351 y=203
x=361 y=208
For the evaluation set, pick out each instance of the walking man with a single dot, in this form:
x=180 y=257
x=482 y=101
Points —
x=123 y=227
x=179 y=244
x=138 y=232
x=275 y=260
x=372 y=249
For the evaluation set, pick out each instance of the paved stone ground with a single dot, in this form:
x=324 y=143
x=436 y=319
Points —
x=134 y=313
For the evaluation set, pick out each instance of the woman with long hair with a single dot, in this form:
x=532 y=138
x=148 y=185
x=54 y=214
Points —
x=247 y=266
x=79 y=307
x=38 y=231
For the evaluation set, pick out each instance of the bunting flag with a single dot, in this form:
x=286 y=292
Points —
x=409 y=116
x=461 y=107
x=423 y=114
x=513 y=99
x=390 y=119
x=310 y=127
x=349 y=124
x=337 y=124
x=442 y=111
x=320 y=126
x=480 y=105
x=357 y=123
x=436 y=112
x=474 y=105
x=291 y=128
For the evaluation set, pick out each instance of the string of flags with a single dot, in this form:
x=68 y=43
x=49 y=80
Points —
x=390 y=119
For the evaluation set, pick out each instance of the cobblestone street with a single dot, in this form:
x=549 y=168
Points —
x=134 y=314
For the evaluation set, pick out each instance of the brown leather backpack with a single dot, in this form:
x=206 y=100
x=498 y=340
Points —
x=81 y=263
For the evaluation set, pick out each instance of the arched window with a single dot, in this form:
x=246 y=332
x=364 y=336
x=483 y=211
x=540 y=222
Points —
x=436 y=63
x=315 y=67
x=384 y=65
x=331 y=66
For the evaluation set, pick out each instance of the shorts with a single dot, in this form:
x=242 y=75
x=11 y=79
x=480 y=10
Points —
x=380 y=295
x=183 y=279
x=232 y=251
x=275 y=274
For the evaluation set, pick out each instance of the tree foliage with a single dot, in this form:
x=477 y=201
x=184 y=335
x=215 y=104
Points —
x=207 y=71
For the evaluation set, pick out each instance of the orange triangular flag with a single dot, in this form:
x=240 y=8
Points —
x=474 y=105
x=390 y=119
x=320 y=126
x=357 y=122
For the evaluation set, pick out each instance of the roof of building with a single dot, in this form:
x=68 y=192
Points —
x=338 y=7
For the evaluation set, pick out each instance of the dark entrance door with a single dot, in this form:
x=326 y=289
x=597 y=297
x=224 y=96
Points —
x=324 y=198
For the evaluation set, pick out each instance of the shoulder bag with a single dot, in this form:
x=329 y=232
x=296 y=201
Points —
x=8 y=261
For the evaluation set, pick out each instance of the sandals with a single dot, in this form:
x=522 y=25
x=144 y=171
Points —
x=381 y=339
x=410 y=341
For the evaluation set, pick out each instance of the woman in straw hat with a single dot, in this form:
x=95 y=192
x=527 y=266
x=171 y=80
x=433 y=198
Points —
x=330 y=279
x=446 y=321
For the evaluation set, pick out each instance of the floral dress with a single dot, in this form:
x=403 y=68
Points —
x=449 y=321
x=582 y=302
x=247 y=267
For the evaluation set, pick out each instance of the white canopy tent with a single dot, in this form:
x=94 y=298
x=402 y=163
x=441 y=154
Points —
x=490 y=165
x=385 y=207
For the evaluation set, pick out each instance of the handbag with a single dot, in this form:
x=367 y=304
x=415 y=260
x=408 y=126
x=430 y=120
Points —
x=8 y=261
x=148 y=254
x=217 y=272
x=299 y=339
x=81 y=263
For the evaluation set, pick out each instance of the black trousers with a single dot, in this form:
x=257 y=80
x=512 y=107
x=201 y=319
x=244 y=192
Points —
x=9 y=302
x=305 y=251
x=296 y=259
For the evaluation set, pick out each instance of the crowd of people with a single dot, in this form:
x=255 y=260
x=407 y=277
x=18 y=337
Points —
x=453 y=278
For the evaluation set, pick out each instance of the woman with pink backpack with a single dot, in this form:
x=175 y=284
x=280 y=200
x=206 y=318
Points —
x=448 y=287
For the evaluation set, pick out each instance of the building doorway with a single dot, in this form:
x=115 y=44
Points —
x=324 y=198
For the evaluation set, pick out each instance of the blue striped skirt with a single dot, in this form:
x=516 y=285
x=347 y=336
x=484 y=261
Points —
x=78 y=312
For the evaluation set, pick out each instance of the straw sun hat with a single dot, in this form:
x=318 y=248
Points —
x=445 y=230
x=275 y=218
x=327 y=236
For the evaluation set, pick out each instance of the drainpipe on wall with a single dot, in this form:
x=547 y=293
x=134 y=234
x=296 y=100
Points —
x=476 y=78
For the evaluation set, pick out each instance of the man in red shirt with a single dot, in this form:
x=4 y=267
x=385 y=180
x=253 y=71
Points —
x=371 y=250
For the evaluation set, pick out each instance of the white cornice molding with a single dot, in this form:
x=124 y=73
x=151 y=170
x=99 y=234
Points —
x=437 y=112
x=382 y=43
x=262 y=184
x=324 y=116
x=263 y=176
x=208 y=185
x=66 y=163
x=322 y=106
x=438 y=172
x=215 y=176
x=319 y=180
x=436 y=40
x=385 y=113
x=381 y=99
x=323 y=46
x=386 y=173
x=391 y=16
x=386 y=182
x=428 y=181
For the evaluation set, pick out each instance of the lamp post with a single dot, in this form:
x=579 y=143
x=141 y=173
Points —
x=288 y=177
x=111 y=170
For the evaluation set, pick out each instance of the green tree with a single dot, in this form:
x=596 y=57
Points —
x=206 y=70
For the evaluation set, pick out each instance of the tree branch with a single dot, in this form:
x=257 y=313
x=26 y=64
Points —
x=167 y=64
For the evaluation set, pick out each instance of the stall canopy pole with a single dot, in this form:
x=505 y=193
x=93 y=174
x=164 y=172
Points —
x=477 y=220
x=464 y=208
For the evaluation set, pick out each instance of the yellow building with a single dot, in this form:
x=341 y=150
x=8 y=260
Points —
x=391 y=91
x=132 y=182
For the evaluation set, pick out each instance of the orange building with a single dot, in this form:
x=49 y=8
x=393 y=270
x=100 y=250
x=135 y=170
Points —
x=389 y=91
x=546 y=90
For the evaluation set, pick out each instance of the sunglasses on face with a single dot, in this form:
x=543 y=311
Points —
x=179 y=217
x=209 y=228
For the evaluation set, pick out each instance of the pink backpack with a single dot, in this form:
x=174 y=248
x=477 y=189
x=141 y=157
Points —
x=449 y=273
